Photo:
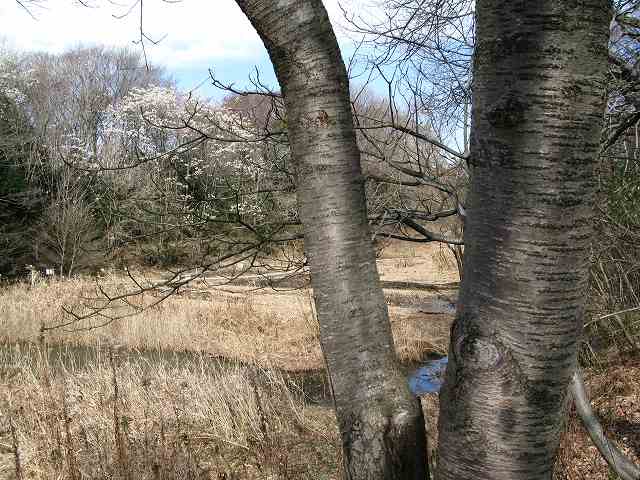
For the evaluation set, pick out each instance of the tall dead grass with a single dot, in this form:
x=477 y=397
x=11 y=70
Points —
x=79 y=402
x=263 y=328
x=108 y=417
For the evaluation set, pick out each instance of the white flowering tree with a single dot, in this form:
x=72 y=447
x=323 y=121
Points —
x=11 y=78
x=199 y=173
x=53 y=114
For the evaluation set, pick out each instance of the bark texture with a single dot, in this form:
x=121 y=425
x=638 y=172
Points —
x=380 y=421
x=537 y=110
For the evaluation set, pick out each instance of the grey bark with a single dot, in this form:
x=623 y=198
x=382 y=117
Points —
x=381 y=423
x=537 y=110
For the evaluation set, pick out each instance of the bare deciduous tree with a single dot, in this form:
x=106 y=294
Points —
x=381 y=424
x=537 y=113
x=67 y=227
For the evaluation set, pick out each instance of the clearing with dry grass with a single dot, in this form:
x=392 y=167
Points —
x=224 y=385
x=260 y=326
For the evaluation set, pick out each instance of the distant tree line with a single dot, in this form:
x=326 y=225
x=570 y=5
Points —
x=104 y=161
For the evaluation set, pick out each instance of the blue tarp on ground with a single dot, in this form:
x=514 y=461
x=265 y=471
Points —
x=428 y=378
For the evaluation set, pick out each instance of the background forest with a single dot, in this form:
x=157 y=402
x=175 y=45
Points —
x=106 y=161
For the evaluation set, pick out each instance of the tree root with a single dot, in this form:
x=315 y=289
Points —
x=624 y=467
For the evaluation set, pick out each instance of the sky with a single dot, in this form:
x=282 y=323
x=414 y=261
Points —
x=196 y=35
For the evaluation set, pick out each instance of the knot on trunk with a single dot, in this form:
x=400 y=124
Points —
x=478 y=353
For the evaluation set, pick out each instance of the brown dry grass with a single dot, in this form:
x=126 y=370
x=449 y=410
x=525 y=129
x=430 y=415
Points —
x=76 y=416
x=262 y=327
x=418 y=263
x=106 y=417
x=198 y=418
x=258 y=328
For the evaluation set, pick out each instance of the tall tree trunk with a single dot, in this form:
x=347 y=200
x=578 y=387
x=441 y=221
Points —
x=381 y=423
x=537 y=116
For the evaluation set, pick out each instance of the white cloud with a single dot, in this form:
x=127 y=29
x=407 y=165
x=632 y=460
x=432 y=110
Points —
x=197 y=31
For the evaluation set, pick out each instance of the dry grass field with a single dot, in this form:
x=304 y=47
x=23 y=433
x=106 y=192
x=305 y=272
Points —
x=227 y=385
x=261 y=327
x=99 y=416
